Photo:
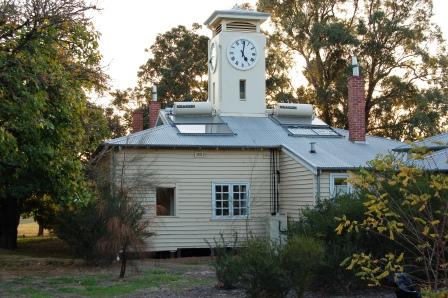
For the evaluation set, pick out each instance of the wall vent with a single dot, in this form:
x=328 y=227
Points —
x=199 y=155
x=218 y=29
x=241 y=26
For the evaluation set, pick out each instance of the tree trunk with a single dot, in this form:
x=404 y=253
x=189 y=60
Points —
x=123 y=264
x=40 y=233
x=9 y=220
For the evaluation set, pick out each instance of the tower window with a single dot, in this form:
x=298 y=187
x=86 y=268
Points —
x=242 y=89
x=213 y=93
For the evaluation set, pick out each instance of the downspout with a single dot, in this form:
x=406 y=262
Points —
x=319 y=171
x=272 y=183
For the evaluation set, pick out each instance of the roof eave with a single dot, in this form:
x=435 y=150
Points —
x=225 y=14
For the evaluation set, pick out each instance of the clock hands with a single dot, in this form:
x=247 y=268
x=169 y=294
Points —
x=242 y=51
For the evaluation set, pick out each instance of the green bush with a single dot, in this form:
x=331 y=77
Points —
x=301 y=258
x=262 y=273
x=81 y=227
x=226 y=263
x=264 y=269
x=320 y=224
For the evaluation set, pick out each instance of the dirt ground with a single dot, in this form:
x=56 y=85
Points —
x=45 y=268
x=20 y=281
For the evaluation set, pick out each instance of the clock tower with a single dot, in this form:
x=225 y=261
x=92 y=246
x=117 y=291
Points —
x=236 y=63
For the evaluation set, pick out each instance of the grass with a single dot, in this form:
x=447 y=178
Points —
x=44 y=267
x=101 y=285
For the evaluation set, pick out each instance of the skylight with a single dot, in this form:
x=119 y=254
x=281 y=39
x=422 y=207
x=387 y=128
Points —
x=324 y=131
x=305 y=126
x=200 y=125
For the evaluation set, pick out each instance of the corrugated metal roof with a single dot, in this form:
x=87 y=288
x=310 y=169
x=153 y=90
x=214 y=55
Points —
x=436 y=142
x=437 y=161
x=263 y=132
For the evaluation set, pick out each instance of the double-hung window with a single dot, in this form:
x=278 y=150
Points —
x=230 y=200
x=339 y=184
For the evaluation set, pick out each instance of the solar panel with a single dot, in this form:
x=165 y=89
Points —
x=200 y=129
x=200 y=125
x=325 y=132
x=301 y=131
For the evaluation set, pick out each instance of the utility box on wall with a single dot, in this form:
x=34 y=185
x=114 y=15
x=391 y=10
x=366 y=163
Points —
x=277 y=226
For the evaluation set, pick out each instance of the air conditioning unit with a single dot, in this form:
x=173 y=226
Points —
x=192 y=108
x=294 y=110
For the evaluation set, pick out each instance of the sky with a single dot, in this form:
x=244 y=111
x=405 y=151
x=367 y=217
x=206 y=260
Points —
x=128 y=27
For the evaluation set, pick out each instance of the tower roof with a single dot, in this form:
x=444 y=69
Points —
x=237 y=14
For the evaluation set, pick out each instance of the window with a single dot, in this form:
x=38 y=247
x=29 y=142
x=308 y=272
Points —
x=242 y=89
x=339 y=184
x=230 y=200
x=213 y=93
x=165 y=201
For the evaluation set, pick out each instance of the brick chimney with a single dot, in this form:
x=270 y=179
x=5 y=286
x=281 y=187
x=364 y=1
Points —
x=154 y=108
x=356 y=105
x=137 y=121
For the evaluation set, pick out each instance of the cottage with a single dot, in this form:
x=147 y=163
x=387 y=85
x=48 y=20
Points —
x=229 y=165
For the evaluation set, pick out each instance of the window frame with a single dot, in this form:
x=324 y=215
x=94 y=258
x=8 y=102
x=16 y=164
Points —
x=174 y=198
x=231 y=216
x=242 y=89
x=334 y=176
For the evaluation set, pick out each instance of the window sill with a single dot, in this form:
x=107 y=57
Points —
x=229 y=218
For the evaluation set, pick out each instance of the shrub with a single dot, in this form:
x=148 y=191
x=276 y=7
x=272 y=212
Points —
x=408 y=206
x=301 y=257
x=320 y=223
x=226 y=263
x=266 y=269
x=262 y=273
x=81 y=228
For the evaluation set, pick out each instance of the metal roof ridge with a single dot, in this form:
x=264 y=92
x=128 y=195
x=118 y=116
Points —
x=142 y=132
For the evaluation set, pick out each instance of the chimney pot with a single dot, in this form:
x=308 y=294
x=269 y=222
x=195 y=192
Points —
x=312 y=147
x=154 y=108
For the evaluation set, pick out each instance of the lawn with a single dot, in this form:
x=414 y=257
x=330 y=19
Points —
x=44 y=267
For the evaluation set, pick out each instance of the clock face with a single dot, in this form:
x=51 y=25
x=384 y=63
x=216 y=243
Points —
x=242 y=54
x=213 y=56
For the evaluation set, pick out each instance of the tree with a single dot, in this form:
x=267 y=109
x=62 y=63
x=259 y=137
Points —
x=390 y=38
x=48 y=60
x=409 y=206
x=178 y=65
x=123 y=213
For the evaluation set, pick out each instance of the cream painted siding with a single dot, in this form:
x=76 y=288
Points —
x=296 y=186
x=192 y=177
x=325 y=185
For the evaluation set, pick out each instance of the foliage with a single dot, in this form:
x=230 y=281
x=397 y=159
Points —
x=319 y=223
x=226 y=263
x=406 y=93
x=262 y=273
x=301 y=258
x=408 y=206
x=178 y=65
x=49 y=59
x=265 y=269
x=81 y=228
x=123 y=213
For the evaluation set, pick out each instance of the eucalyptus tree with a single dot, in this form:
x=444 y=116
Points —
x=401 y=53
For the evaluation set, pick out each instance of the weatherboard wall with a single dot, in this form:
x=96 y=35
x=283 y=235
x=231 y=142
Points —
x=297 y=186
x=193 y=225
